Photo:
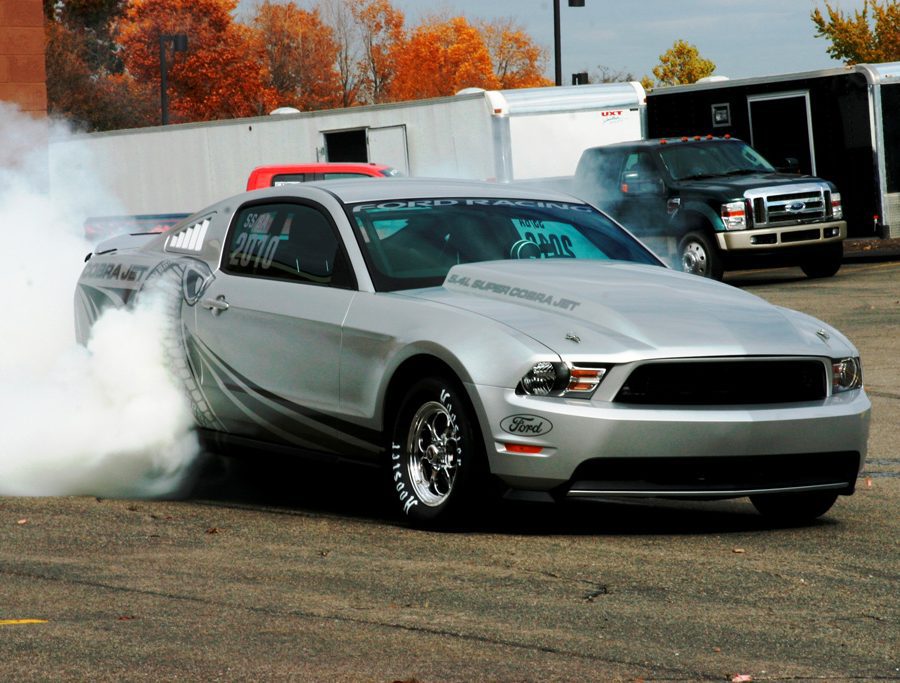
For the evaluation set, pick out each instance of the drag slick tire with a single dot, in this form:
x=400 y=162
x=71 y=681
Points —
x=794 y=508
x=437 y=466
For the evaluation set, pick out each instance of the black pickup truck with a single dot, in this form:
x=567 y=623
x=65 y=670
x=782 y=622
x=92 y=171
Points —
x=718 y=204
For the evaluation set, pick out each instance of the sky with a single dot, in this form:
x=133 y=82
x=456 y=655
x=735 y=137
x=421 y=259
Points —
x=744 y=38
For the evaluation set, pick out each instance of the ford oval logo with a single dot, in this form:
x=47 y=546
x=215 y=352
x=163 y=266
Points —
x=526 y=425
x=796 y=207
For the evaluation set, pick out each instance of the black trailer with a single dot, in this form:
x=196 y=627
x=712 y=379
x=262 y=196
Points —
x=839 y=124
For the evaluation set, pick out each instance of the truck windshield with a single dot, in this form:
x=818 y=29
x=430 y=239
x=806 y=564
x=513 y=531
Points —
x=697 y=160
x=414 y=243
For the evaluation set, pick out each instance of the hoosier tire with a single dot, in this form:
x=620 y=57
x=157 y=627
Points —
x=437 y=465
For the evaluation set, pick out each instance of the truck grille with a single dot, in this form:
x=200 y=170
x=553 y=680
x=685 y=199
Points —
x=723 y=383
x=807 y=203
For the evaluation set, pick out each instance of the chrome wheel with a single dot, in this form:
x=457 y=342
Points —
x=432 y=453
x=700 y=257
x=694 y=259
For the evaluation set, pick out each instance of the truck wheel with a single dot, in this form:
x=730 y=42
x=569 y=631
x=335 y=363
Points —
x=794 y=508
x=437 y=465
x=824 y=261
x=698 y=256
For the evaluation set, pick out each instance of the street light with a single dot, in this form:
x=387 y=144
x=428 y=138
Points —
x=556 y=48
x=179 y=44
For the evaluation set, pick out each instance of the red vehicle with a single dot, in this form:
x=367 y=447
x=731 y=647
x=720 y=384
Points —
x=285 y=174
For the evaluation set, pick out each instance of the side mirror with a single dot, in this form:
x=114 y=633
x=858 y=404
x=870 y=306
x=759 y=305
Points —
x=637 y=183
x=790 y=165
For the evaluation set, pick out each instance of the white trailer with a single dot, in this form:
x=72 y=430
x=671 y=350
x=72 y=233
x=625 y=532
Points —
x=498 y=134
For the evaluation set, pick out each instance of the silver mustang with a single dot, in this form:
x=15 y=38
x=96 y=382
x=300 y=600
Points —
x=464 y=334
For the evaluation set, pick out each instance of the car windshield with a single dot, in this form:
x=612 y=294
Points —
x=703 y=160
x=414 y=243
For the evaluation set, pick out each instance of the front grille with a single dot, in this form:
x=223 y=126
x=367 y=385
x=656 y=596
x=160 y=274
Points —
x=795 y=207
x=710 y=474
x=722 y=383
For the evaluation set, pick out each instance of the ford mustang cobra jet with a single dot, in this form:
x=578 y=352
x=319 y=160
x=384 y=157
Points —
x=463 y=334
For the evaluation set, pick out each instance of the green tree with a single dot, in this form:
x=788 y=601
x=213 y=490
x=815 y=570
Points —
x=868 y=36
x=682 y=63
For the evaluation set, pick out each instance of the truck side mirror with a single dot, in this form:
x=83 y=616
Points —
x=637 y=183
x=790 y=165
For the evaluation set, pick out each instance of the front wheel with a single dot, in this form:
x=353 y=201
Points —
x=794 y=508
x=699 y=256
x=825 y=261
x=437 y=466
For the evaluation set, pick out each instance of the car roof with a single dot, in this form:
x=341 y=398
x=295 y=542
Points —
x=353 y=190
x=322 y=166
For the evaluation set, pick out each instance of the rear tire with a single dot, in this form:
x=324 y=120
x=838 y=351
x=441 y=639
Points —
x=698 y=255
x=794 y=508
x=437 y=464
x=825 y=261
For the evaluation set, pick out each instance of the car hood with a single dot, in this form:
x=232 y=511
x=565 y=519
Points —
x=621 y=311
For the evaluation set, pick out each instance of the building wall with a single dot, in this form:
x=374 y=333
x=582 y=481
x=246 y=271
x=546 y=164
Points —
x=22 y=70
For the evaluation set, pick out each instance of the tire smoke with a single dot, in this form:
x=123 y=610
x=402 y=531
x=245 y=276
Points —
x=106 y=420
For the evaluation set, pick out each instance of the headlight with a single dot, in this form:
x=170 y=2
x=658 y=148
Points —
x=734 y=215
x=837 y=209
x=846 y=374
x=559 y=379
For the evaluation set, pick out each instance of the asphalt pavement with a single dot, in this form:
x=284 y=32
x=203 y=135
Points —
x=270 y=571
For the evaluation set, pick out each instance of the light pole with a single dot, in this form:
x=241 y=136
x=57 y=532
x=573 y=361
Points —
x=179 y=44
x=556 y=47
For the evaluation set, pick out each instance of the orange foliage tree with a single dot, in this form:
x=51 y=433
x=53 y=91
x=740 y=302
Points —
x=516 y=60
x=380 y=30
x=871 y=35
x=300 y=53
x=441 y=57
x=221 y=75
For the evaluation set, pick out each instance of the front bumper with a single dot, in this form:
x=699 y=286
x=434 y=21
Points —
x=782 y=237
x=601 y=448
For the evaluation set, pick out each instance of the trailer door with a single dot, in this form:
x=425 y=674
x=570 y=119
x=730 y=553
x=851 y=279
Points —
x=387 y=145
x=781 y=129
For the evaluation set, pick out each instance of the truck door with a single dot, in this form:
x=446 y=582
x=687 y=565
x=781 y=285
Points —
x=781 y=130
x=640 y=203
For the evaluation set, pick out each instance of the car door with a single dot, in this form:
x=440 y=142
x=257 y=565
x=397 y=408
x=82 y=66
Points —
x=269 y=325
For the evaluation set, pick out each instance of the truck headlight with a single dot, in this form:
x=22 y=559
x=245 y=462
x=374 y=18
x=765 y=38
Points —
x=559 y=379
x=837 y=209
x=734 y=215
x=846 y=374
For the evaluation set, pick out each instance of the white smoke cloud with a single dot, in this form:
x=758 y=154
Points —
x=106 y=420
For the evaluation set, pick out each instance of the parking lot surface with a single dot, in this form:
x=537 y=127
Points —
x=269 y=571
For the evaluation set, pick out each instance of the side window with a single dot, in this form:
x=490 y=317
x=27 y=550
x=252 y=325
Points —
x=290 y=179
x=639 y=175
x=287 y=242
